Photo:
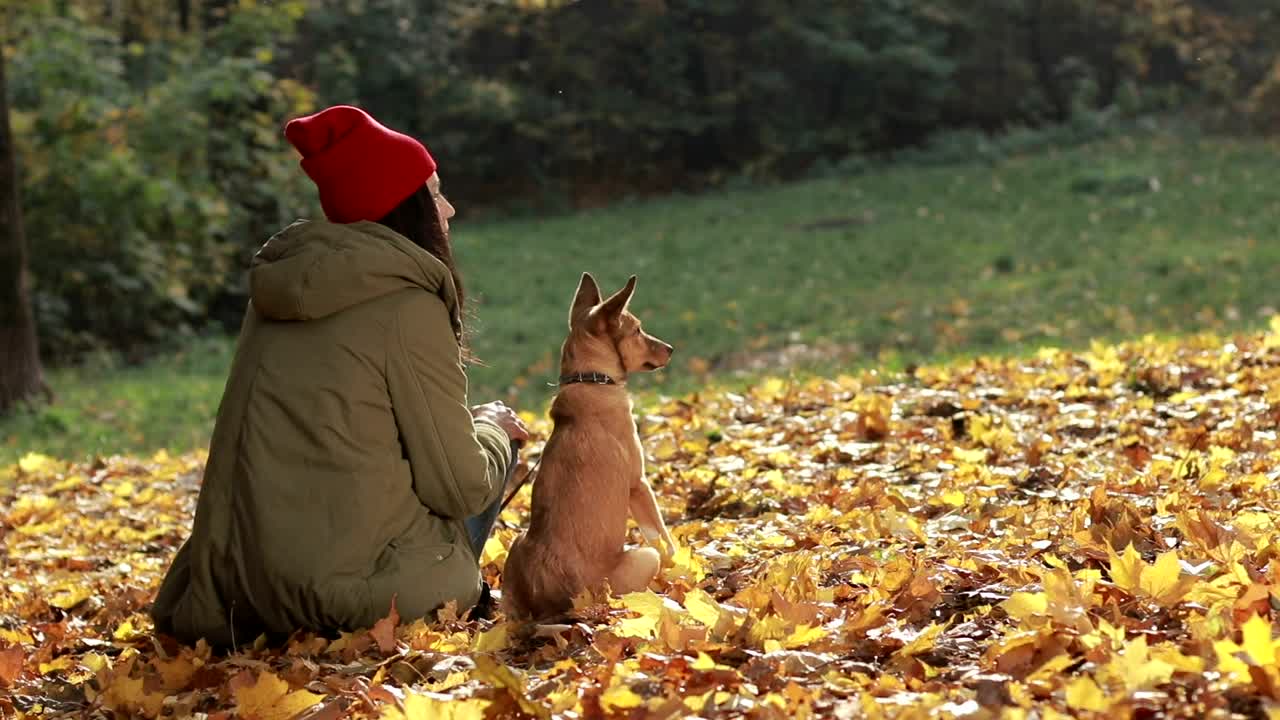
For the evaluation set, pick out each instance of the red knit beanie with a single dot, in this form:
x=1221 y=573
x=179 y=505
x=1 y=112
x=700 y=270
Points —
x=362 y=168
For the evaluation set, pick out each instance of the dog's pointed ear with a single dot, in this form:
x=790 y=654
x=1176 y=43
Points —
x=587 y=297
x=613 y=307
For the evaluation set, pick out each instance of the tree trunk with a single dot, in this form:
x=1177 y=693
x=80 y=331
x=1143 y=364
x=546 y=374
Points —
x=1046 y=73
x=137 y=67
x=21 y=377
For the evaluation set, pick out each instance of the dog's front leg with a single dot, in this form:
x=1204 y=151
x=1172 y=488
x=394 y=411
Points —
x=644 y=508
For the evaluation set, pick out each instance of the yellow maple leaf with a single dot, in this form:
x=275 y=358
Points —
x=1258 y=641
x=1051 y=670
x=619 y=695
x=448 y=682
x=1069 y=597
x=874 y=412
x=33 y=463
x=95 y=662
x=1217 y=474
x=62 y=662
x=423 y=707
x=700 y=703
x=1257 y=648
x=901 y=525
x=1220 y=589
x=924 y=640
x=1160 y=579
x=685 y=565
x=702 y=607
x=492 y=640
x=67 y=483
x=494 y=552
x=1084 y=694
x=563 y=699
x=975 y=456
x=70 y=595
x=125 y=631
x=1174 y=657
x=803 y=635
x=1136 y=669
x=16 y=636
x=665 y=449
x=1126 y=569
x=1272 y=338
x=770 y=627
x=269 y=698
x=705 y=662
x=1026 y=606
x=649 y=606
x=31 y=507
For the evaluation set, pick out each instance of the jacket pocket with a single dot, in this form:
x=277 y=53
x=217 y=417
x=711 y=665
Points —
x=422 y=577
x=424 y=552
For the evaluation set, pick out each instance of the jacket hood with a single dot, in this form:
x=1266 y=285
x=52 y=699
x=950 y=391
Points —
x=313 y=269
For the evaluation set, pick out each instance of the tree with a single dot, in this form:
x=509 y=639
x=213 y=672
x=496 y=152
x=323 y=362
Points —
x=21 y=376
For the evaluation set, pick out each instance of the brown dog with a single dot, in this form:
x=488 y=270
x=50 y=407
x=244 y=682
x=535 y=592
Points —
x=592 y=468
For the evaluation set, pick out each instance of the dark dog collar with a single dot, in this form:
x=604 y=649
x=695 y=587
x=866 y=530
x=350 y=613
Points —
x=591 y=378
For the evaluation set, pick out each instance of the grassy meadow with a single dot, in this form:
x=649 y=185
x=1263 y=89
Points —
x=1117 y=238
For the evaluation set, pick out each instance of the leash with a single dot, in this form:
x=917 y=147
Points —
x=523 y=480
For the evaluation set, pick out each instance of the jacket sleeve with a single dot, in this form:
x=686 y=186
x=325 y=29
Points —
x=458 y=463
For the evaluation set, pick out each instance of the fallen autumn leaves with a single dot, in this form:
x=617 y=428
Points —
x=1072 y=535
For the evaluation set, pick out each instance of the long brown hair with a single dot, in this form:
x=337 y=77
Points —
x=418 y=219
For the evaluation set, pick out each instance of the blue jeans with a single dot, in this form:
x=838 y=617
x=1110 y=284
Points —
x=479 y=527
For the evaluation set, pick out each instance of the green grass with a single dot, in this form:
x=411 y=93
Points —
x=906 y=264
x=1165 y=233
x=102 y=409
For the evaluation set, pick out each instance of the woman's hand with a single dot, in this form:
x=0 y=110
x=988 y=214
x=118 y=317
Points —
x=504 y=417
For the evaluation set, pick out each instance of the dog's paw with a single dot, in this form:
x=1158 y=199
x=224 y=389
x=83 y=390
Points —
x=662 y=542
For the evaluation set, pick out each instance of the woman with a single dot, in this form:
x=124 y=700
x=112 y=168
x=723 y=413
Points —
x=345 y=467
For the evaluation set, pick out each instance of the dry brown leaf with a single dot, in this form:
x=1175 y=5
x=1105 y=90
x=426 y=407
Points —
x=11 y=662
x=384 y=631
